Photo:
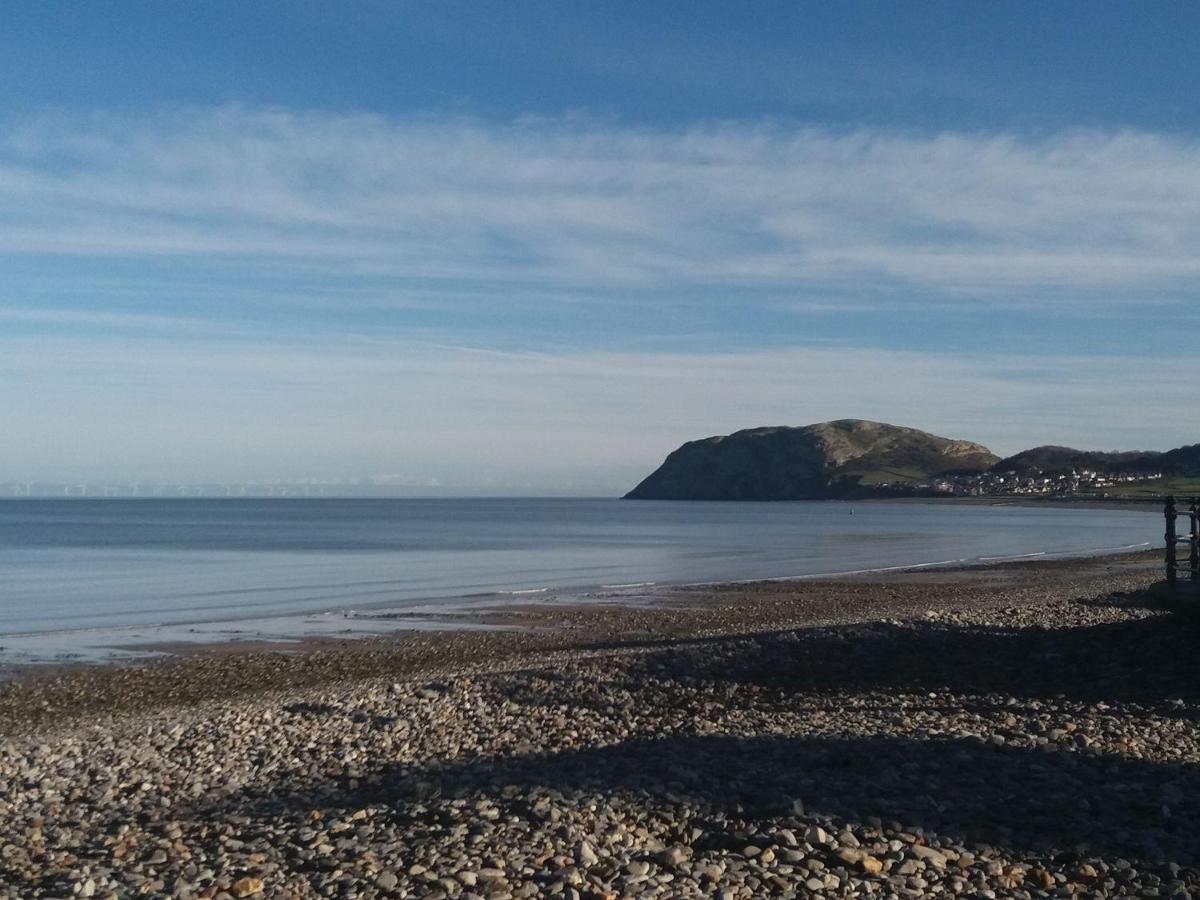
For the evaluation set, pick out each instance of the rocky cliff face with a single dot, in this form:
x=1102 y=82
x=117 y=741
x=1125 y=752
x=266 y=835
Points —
x=831 y=459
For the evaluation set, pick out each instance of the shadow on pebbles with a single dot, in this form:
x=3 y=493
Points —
x=1048 y=750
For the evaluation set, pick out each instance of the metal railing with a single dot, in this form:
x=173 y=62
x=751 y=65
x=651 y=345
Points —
x=1191 y=563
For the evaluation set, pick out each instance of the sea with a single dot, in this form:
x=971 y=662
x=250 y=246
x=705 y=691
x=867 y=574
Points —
x=110 y=579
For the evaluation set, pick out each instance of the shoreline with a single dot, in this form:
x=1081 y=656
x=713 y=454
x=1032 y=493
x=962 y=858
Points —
x=139 y=644
x=43 y=692
x=1141 y=504
x=1022 y=729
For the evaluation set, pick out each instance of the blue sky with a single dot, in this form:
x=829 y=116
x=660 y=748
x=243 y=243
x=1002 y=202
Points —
x=531 y=247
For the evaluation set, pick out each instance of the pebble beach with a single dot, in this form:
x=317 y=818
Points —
x=1026 y=730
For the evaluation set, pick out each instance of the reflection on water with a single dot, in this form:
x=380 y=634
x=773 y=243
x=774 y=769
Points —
x=88 y=564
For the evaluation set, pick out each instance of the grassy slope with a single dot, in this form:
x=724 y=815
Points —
x=884 y=476
x=1180 y=486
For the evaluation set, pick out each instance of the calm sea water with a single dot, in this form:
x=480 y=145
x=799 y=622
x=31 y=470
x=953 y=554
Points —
x=69 y=565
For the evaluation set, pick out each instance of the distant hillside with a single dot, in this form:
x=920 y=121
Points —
x=830 y=459
x=1053 y=459
x=1184 y=461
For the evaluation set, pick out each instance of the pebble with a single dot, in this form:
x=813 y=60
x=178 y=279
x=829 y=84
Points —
x=657 y=771
x=586 y=856
x=246 y=887
x=386 y=880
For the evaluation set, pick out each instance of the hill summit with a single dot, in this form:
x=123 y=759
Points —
x=843 y=458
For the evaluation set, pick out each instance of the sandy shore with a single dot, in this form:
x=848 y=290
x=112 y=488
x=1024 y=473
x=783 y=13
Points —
x=1017 y=730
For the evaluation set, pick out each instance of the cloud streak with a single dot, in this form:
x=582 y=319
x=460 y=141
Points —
x=241 y=294
x=582 y=203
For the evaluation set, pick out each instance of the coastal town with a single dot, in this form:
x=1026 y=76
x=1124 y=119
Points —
x=1075 y=483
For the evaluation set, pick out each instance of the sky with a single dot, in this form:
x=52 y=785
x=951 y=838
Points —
x=529 y=248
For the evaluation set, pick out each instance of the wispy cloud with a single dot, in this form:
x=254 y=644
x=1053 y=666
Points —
x=563 y=203
x=215 y=279
x=91 y=320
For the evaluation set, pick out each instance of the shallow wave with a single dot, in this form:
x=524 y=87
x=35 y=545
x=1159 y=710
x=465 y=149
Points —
x=967 y=560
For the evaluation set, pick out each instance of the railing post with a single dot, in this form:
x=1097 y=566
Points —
x=1171 y=541
x=1194 y=543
